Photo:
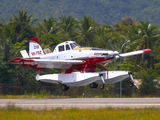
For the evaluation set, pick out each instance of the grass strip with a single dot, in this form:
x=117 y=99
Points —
x=77 y=114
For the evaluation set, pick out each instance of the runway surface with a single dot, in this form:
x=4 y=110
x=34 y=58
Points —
x=81 y=103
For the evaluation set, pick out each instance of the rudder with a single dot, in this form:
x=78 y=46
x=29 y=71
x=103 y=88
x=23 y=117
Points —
x=35 y=48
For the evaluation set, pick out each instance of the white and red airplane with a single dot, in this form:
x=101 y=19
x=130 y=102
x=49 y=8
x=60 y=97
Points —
x=71 y=56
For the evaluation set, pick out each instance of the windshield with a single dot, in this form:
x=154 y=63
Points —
x=74 y=45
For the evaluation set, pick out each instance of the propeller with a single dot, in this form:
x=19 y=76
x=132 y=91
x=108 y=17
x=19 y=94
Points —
x=114 y=52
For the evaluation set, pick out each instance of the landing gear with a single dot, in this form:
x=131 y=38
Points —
x=102 y=86
x=131 y=84
x=132 y=81
x=64 y=87
x=93 y=85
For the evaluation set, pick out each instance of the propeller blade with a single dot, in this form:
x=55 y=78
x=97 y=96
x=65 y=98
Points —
x=110 y=44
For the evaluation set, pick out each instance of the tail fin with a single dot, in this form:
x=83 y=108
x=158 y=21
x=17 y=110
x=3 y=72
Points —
x=35 y=47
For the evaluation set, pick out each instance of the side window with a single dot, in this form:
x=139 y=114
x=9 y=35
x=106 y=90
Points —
x=72 y=46
x=61 y=48
x=67 y=47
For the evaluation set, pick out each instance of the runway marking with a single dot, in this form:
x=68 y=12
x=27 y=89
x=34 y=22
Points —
x=81 y=106
x=81 y=103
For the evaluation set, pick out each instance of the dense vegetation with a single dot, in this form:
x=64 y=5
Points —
x=103 y=11
x=15 y=34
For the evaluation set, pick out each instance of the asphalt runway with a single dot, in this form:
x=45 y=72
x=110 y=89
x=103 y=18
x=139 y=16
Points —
x=81 y=103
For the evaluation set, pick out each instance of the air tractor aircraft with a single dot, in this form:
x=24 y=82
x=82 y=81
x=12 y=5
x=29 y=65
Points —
x=71 y=56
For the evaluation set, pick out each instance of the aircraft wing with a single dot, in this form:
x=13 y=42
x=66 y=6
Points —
x=46 y=63
x=133 y=53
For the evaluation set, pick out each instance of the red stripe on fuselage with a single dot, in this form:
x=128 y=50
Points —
x=96 y=60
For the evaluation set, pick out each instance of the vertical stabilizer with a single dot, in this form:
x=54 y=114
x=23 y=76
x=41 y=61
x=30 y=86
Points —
x=35 y=47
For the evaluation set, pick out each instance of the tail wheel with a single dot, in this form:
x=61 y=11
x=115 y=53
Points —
x=102 y=86
x=130 y=84
x=64 y=87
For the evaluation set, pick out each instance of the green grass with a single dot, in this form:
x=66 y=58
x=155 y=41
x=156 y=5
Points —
x=69 y=114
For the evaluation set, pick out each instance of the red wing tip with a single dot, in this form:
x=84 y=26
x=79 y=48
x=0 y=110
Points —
x=19 y=59
x=15 y=60
x=147 y=50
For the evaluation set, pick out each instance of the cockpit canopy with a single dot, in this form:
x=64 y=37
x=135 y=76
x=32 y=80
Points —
x=69 y=45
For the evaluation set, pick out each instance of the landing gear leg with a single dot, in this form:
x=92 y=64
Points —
x=103 y=82
x=132 y=81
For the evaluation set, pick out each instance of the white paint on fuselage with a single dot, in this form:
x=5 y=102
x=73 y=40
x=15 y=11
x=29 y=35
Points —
x=81 y=53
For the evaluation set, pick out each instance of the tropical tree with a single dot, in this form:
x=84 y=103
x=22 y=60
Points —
x=86 y=31
x=148 y=83
x=23 y=17
x=47 y=26
x=23 y=24
x=148 y=35
x=124 y=26
x=68 y=27
x=103 y=34
x=6 y=51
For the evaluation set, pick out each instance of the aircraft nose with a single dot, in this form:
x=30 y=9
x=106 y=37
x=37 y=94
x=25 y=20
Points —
x=115 y=53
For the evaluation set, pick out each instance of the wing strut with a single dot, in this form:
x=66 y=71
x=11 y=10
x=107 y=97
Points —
x=84 y=68
x=103 y=67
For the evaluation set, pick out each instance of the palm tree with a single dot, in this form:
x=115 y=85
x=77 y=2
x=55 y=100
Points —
x=67 y=23
x=125 y=26
x=23 y=24
x=147 y=34
x=143 y=36
x=47 y=26
x=103 y=34
x=6 y=38
x=68 y=27
x=86 y=31
x=23 y=17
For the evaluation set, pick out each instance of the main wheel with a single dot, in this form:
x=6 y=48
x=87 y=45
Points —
x=93 y=85
x=67 y=88
x=96 y=85
x=64 y=87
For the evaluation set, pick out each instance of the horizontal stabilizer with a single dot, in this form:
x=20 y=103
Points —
x=24 y=54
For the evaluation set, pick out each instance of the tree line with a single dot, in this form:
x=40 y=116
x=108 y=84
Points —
x=104 y=11
x=15 y=35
